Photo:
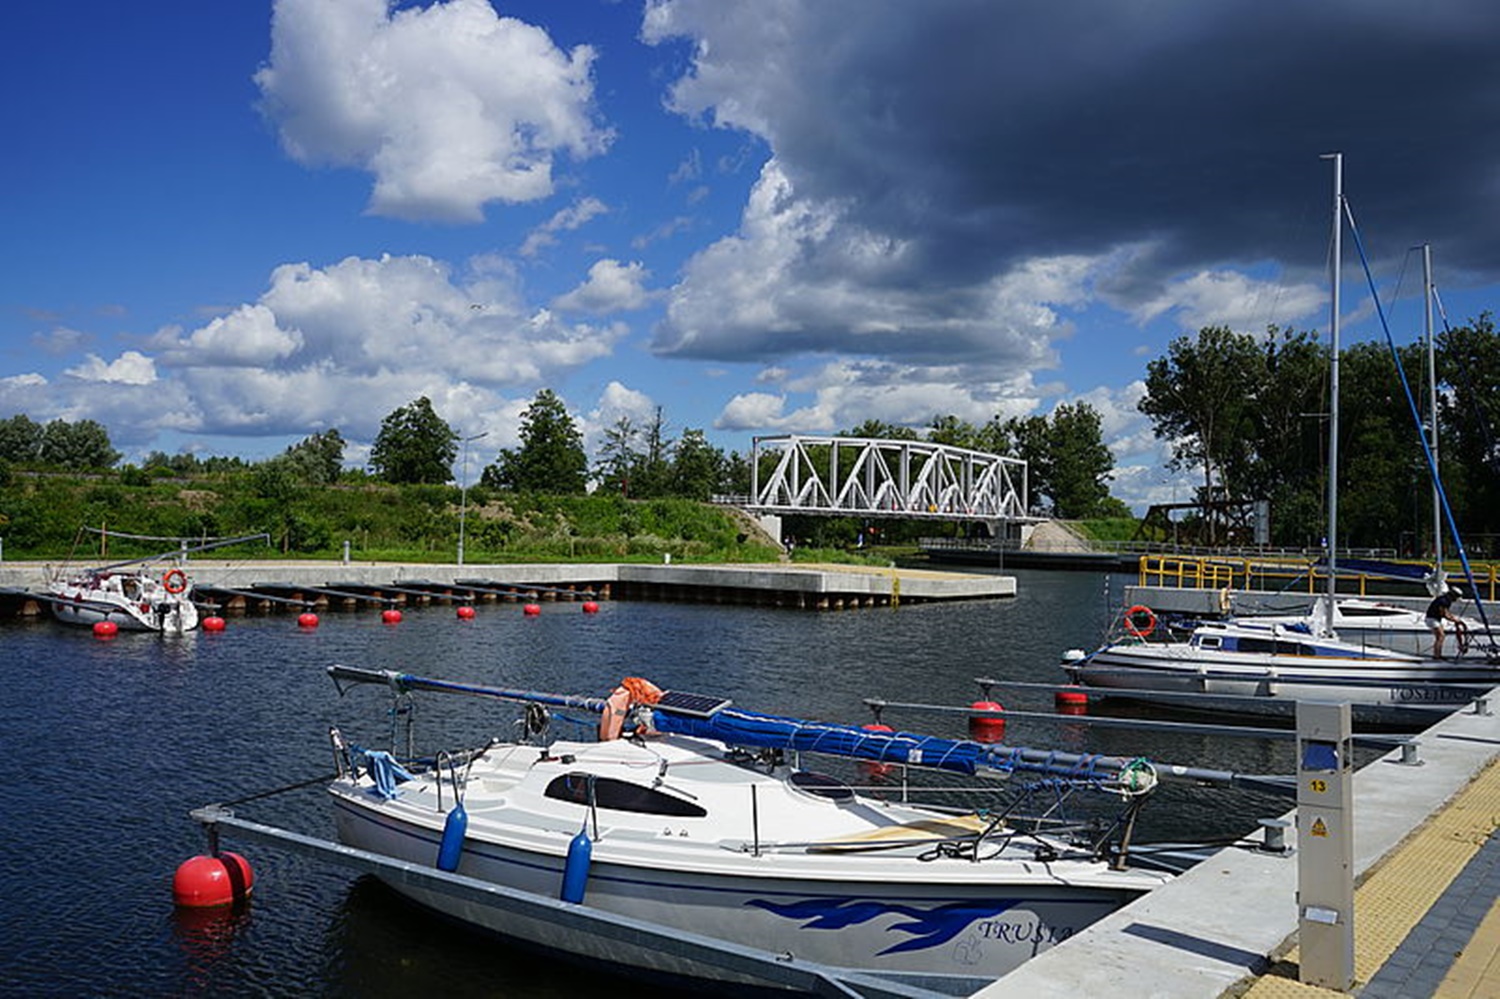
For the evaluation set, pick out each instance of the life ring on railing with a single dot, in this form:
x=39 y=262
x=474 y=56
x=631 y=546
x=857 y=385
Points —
x=1133 y=623
x=175 y=581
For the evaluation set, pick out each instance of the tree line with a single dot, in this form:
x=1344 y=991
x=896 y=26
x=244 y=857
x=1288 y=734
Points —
x=1250 y=414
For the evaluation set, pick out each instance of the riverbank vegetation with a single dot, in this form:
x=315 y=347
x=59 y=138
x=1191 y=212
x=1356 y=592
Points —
x=379 y=521
x=1247 y=413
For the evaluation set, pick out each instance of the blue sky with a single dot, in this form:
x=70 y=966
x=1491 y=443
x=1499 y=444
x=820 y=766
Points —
x=231 y=225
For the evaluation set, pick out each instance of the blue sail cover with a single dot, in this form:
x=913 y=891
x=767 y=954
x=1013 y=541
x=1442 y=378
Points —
x=1378 y=567
x=748 y=728
x=735 y=727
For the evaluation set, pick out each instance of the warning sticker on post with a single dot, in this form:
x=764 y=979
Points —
x=1318 y=828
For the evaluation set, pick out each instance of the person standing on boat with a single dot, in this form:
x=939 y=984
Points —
x=1439 y=612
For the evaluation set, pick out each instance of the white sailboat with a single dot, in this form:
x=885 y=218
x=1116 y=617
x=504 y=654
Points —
x=135 y=600
x=154 y=593
x=703 y=819
x=1272 y=663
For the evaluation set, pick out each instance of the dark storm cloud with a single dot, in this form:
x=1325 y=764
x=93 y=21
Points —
x=976 y=136
x=997 y=131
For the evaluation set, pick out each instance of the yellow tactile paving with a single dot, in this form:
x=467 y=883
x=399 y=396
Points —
x=1400 y=890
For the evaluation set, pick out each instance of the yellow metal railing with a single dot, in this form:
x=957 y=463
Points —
x=1210 y=573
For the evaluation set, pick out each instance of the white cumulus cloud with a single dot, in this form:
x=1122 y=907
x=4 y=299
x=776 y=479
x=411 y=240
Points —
x=611 y=287
x=130 y=368
x=450 y=106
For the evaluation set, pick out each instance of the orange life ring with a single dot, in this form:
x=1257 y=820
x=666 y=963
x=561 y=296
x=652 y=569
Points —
x=175 y=581
x=1140 y=631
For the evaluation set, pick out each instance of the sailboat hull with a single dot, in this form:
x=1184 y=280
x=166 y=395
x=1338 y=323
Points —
x=1379 y=690
x=771 y=865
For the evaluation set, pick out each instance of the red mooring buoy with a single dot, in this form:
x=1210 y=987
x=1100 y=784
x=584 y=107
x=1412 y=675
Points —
x=871 y=768
x=213 y=623
x=465 y=612
x=106 y=629
x=1071 y=702
x=531 y=610
x=307 y=620
x=986 y=729
x=390 y=616
x=204 y=881
x=590 y=607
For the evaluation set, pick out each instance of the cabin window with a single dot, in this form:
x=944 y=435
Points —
x=1209 y=641
x=1274 y=647
x=621 y=796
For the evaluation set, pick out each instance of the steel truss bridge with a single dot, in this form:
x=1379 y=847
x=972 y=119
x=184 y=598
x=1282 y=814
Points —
x=869 y=477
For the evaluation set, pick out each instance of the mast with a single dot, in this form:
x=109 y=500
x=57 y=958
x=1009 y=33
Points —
x=1432 y=411
x=1333 y=380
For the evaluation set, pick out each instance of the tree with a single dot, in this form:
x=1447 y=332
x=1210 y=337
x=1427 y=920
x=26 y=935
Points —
x=1078 y=463
x=1202 y=397
x=550 y=459
x=20 y=439
x=617 y=457
x=414 y=446
x=952 y=431
x=1469 y=364
x=1025 y=437
x=78 y=447
x=1289 y=464
x=736 y=476
x=1380 y=478
x=651 y=473
x=317 y=459
x=697 y=467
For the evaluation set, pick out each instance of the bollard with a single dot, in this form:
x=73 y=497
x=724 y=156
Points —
x=1325 y=844
x=1274 y=835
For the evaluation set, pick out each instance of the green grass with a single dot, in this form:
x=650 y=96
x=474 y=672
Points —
x=41 y=517
x=1108 y=528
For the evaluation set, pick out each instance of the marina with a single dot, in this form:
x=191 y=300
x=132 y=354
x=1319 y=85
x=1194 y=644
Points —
x=239 y=713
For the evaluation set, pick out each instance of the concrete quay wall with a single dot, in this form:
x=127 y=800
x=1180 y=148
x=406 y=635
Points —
x=821 y=587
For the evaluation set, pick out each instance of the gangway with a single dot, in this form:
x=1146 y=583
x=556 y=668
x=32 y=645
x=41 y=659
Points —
x=875 y=477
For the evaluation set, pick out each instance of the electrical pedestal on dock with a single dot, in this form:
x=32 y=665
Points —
x=1325 y=844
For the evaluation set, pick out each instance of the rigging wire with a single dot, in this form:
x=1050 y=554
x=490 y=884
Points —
x=1437 y=480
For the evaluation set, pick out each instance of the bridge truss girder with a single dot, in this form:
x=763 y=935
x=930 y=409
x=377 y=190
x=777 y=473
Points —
x=871 y=477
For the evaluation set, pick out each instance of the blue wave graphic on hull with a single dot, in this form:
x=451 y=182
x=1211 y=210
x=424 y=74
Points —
x=928 y=927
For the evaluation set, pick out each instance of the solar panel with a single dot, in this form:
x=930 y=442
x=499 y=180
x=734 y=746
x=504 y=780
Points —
x=693 y=705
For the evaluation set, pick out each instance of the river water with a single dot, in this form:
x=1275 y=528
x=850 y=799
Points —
x=111 y=743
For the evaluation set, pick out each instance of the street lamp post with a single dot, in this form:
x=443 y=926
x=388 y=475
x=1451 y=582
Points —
x=463 y=493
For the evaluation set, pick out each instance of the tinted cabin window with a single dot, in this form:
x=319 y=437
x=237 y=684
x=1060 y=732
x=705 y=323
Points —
x=621 y=795
x=1282 y=648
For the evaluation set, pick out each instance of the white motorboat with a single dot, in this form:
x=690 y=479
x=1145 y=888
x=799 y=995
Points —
x=1263 y=668
x=1385 y=625
x=135 y=600
x=703 y=821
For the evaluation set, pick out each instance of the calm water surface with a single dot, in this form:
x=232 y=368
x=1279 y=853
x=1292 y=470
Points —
x=111 y=743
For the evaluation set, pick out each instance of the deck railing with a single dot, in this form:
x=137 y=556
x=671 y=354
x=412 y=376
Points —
x=1217 y=573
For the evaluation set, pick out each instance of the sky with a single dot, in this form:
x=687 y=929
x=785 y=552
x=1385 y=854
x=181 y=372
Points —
x=227 y=226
